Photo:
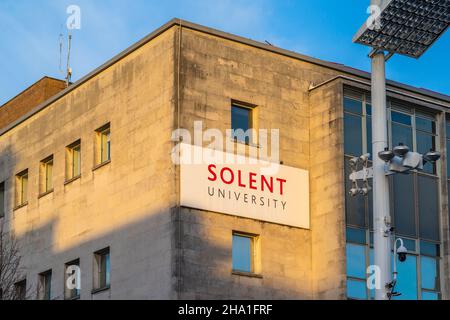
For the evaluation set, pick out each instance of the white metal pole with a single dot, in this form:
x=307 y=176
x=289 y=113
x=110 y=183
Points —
x=381 y=212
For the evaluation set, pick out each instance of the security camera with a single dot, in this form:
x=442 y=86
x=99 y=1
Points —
x=386 y=155
x=354 y=161
x=402 y=251
x=401 y=150
x=365 y=157
x=353 y=192
x=432 y=156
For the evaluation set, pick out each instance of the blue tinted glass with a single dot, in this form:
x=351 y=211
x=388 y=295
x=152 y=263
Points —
x=448 y=130
x=407 y=279
x=428 y=207
x=404 y=214
x=356 y=261
x=425 y=125
x=429 y=249
x=429 y=295
x=351 y=105
x=368 y=109
x=352 y=135
x=356 y=289
x=240 y=119
x=401 y=118
x=369 y=135
x=242 y=256
x=108 y=279
x=429 y=273
x=355 y=207
x=401 y=134
x=356 y=235
x=425 y=143
x=409 y=244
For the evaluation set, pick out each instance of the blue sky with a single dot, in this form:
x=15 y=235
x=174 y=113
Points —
x=29 y=35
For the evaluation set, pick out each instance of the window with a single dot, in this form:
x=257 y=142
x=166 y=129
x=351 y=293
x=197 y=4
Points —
x=22 y=188
x=103 y=144
x=72 y=280
x=414 y=200
x=20 y=289
x=73 y=160
x=46 y=175
x=45 y=284
x=101 y=269
x=242 y=117
x=2 y=199
x=244 y=253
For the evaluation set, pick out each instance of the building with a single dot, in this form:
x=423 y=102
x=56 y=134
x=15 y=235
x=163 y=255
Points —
x=87 y=177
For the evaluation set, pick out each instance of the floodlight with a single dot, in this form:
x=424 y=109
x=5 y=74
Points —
x=407 y=27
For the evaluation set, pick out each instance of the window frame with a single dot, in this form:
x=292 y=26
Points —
x=97 y=270
x=70 y=161
x=102 y=140
x=255 y=263
x=45 y=287
x=77 y=296
x=21 y=190
x=252 y=122
x=44 y=186
x=2 y=199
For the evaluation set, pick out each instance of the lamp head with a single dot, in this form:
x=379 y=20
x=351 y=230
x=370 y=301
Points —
x=386 y=155
x=401 y=150
x=432 y=156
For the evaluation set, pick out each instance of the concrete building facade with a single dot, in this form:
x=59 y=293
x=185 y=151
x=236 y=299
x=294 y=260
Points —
x=127 y=203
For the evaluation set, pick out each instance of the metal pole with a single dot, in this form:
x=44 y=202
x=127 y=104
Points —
x=381 y=212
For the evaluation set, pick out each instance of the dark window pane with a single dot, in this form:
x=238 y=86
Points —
x=2 y=199
x=356 y=235
x=448 y=130
x=428 y=207
x=407 y=279
x=425 y=125
x=370 y=209
x=369 y=135
x=404 y=216
x=401 y=118
x=356 y=261
x=356 y=289
x=429 y=248
x=352 y=105
x=426 y=295
x=401 y=134
x=368 y=109
x=352 y=135
x=240 y=119
x=242 y=253
x=429 y=273
x=425 y=143
x=355 y=207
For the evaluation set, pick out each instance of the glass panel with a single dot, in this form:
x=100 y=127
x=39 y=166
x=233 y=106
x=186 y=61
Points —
x=407 y=279
x=352 y=105
x=404 y=217
x=369 y=135
x=76 y=161
x=425 y=143
x=401 y=118
x=356 y=289
x=426 y=295
x=429 y=249
x=354 y=206
x=401 y=134
x=368 y=109
x=429 y=273
x=240 y=119
x=48 y=175
x=242 y=256
x=409 y=244
x=426 y=125
x=352 y=135
x=24 y=188
x=356 y=235
x=428 y=207
x=107 y=271
x=356 y=261
x=2 y=199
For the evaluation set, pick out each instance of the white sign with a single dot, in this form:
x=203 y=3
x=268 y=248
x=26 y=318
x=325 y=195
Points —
x=241 y=188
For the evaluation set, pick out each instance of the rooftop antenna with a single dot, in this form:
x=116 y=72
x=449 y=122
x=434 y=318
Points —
x=68 y=68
